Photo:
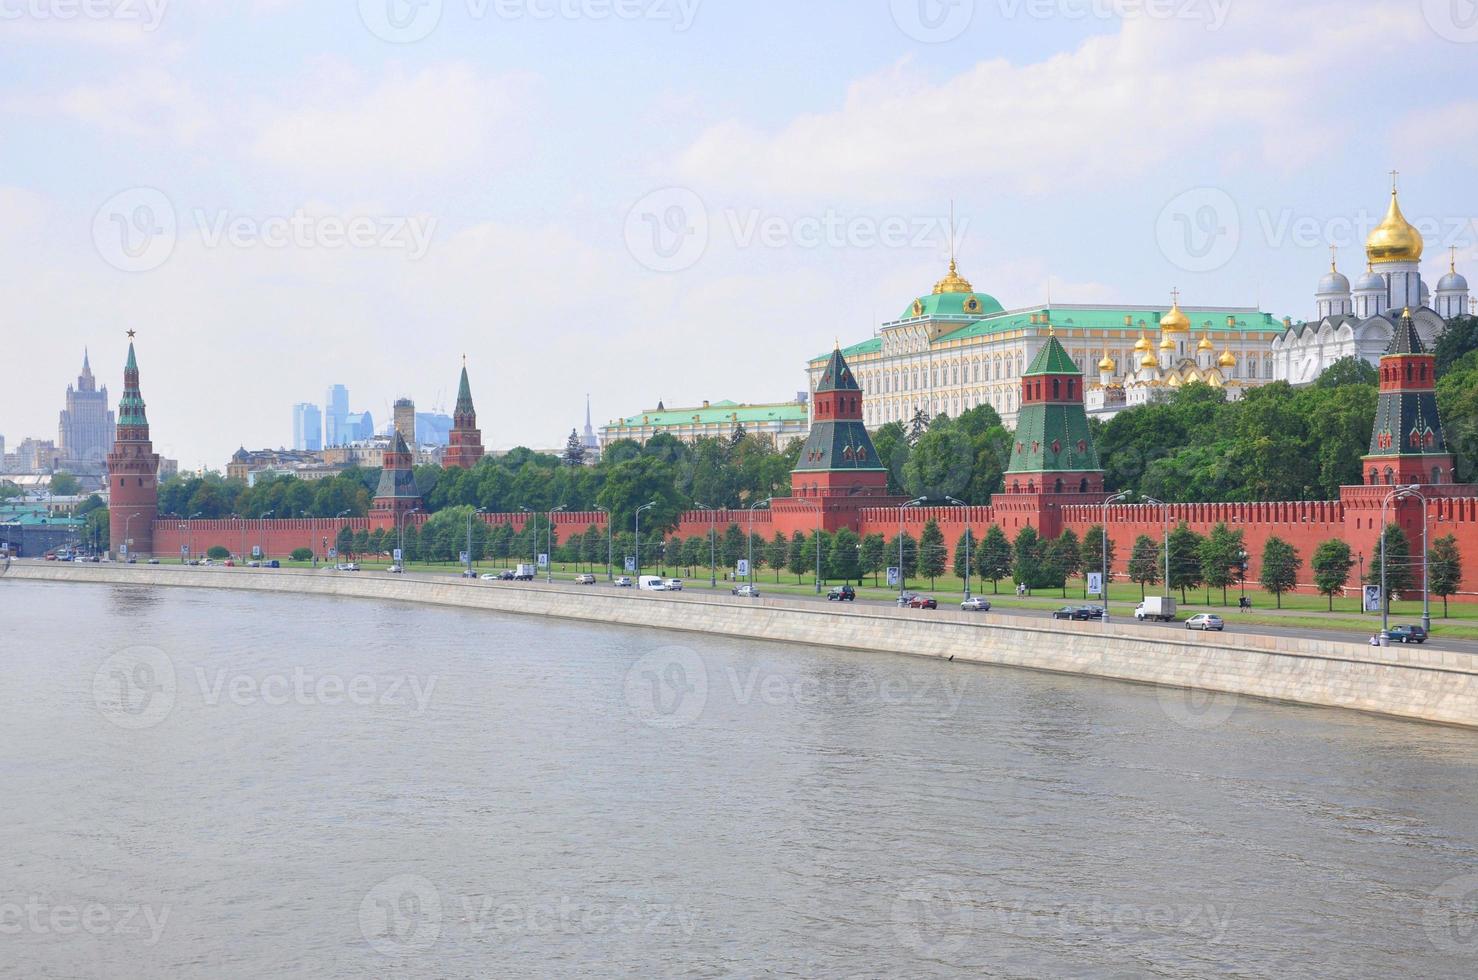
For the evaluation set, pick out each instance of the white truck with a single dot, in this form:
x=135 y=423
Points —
x=1160 y=608
x=651 y=583
x=525 y=573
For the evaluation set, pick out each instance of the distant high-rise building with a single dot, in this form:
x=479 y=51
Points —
x=359 y=426
x=405 y=420
x=336 y=416
x=307 y=427
x=86 y=429
x=590 y=441
x=434 y=428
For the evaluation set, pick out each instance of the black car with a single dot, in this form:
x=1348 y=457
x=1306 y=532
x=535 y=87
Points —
x=1091 y=612
x=843 y=593
x=1072 y=612
x=1407 y=634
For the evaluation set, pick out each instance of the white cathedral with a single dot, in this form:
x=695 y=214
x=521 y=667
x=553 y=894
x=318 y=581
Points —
x=1359 y=321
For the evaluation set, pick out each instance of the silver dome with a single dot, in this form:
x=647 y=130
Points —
x=1453 y=282
x=1334 y=282
x=1371 y=282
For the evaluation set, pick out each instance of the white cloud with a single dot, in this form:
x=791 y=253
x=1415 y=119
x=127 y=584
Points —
x=149 y=102
x=436 y=121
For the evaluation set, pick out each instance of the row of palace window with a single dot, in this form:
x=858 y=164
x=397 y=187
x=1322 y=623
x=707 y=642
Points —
x=1389 y=372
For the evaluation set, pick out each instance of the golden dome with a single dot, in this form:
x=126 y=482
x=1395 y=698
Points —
x=1167 y=344
x=953 y=283
x=1205 y=343
x=1175 y=321
x=1107 y=364
x=1227 y=359
x=1149 y=360
x=1394 y=239
x=1143 y=343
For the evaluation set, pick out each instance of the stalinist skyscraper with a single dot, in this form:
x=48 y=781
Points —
x=85 y=430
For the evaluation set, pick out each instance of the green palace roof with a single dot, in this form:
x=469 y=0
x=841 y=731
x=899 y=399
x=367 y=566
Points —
x=1071 y=319
x=35 y=515
x=954 y=306
x=719 y=413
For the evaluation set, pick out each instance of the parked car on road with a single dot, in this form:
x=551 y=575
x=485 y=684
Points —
x=1072 y=612
x=746 y=591
x=1407 y=634
x=976 y=603
x=491 y=577
x=923 y=602
x=842 y=593
x=1205 y=621
x=1092 y=612
x=624 y=582
x=584 y=579
x=674 y=585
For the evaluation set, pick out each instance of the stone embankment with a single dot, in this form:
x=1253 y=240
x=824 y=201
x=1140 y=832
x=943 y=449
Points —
x=1405 y=682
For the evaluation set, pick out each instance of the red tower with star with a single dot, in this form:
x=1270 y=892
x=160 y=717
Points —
x=133 y=472
x=464 y=446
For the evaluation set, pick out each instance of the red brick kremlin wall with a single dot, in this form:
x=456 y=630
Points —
x=1355 y=519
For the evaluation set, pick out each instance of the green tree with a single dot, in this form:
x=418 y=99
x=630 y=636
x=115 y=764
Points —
x=574 y=454
x=1221 y=559
x=302 y=554
x=1144 y=562
x=217 y=552
x=1067 y=557
x=1331 y=565
x=965 y=557
x=993 y=562
x=1400 y=573
x=344 y=541
x=1444 y=569
x=1348 y=371
x=1280 y=565
x=732 y=546
x=933 y=556
x=909 y=549
x=874 y=556
x=940 y=464
x=778 y=554
x=798 y=558
x=64 y=484
x=1027 y=565
x=1185 y=559
x=845 y=559
x=1094 y=541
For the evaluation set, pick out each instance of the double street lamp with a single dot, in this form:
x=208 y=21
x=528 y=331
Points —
x=817 y=505
x=969 y=533
x=750 y=566
x=470 y=515
x=262 y=533
x=549 y=545
x=128 y=541
x=1412 y=491
x=912 y=503
x=400 y=543
x=610 y=552
x=646 y=506
x=1161 y=503
x=712 y=545
x=1103 y=549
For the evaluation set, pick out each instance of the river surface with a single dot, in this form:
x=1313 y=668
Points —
x=211 y=784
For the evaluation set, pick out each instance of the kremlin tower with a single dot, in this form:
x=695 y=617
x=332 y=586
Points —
x=133 y=472
x=1407 y=445
x=464 y=448
x=397 y=494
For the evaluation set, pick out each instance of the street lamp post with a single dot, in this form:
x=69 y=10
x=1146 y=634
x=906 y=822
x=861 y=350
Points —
x=1161 y=503
x=340 y=514
x=1385 y=602
x=1103 y=549
x=470 y=515
x=400 y=542
x=609 y=543
x=127 y=541
x=262 y=532
x=712 y=546
x=549 y=545
x=817 y=505
x=647 y=506
x=758 y=503
x=969 y=533
x=912 y=503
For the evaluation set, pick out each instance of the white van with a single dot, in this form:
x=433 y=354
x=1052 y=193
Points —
x=651 y=583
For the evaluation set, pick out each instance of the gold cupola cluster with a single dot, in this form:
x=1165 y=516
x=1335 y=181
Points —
x=953 y=283
x=1394 y=239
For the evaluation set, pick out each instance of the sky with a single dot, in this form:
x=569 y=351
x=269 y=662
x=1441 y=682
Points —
x=668 y=199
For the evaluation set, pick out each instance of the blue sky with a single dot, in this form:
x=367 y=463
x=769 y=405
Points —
x=684 y=201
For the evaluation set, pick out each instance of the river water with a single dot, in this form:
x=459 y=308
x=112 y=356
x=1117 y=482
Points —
x=211 y=784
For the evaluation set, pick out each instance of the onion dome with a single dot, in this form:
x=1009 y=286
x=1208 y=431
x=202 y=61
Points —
x=1227 y=359
x=953 y=283
x=1453 y=282
x=1167 y=344
x=1143 y=343
x=1107 y=364
x=1149 y=360
x=1205 y=343
x=1175 y=321
x=1334 y=282
x=1370 y=282
x=1394 y=239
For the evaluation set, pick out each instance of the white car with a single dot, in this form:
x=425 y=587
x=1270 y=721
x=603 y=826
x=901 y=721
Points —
x=624 y=582
x=976 y=603
x=746 y=591
x=1205 y=621
x=491 y=576
x=584 y=579
x=674 y=585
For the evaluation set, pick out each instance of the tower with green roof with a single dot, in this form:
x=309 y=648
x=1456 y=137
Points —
x=1053 y=460
x=464 y=445
x=838 y=471
x=133 y=471
x=397 y=495
x=1407 y=444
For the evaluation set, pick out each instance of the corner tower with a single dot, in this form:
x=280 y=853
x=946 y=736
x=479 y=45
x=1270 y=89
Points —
x=133 y=471
x=1407 y=444
x=397 y=494
x=464 y=447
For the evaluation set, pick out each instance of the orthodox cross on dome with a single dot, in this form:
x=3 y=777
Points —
x=1175 y=297
x=1333 y=250
x=1394 y=175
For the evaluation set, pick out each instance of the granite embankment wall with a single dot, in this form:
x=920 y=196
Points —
x=1406 y=682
